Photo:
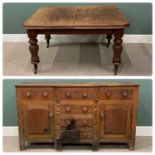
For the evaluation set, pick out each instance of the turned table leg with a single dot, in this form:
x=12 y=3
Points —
x=109 y=37
x=117 y=49
x=47 y=37
x=33 y=49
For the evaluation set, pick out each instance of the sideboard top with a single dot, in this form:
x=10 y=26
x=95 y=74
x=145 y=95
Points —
x=89 y=84
x=76 y=16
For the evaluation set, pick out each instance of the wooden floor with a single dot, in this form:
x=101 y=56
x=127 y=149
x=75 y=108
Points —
x=143 y=144
x=85 y=59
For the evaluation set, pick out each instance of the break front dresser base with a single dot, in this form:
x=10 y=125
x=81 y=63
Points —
x=90 y=113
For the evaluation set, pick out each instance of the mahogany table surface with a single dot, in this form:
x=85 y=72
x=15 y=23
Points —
x=75 y=17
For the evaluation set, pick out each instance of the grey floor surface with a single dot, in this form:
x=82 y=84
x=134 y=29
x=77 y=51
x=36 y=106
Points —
x=143 y=144
x=85 y=59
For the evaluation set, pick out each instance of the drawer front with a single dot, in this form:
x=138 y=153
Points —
x=76 y=109
x=84 y=133
x=37 y=93
x=86 y=122
x=77 y=93
x=45 y=93
x=28 y=93
x=116 y=93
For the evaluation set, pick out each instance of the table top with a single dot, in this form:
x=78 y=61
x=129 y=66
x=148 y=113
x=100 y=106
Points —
x=73 y=17
x=87 y=84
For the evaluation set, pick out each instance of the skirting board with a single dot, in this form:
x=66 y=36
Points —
x=140 y=131
x=77 y=38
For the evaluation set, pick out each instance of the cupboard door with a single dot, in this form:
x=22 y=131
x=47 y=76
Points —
x=115 y=121
x=38 y=123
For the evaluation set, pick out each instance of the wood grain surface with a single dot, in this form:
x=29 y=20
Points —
x=86 y=84
x=76 y=17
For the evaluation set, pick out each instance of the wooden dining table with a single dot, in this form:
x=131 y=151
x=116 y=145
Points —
x=100 y=19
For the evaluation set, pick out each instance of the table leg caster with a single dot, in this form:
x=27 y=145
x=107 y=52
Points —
x=35 y=68
x=109 y=37
x=47 y=37
x=115 y=69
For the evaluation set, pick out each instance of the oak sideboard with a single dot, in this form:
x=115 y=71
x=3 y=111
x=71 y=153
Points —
x=88 y=113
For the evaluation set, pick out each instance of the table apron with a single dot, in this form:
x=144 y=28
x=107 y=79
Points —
x=73 y=31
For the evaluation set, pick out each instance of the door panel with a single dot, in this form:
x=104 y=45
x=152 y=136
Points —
x=115 y=121
x=38 y=121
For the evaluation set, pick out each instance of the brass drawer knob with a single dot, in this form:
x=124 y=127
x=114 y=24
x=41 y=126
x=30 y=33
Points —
x=45 y=94
x=28 y=94
x=68 y=122
x=84 y=134
x=85 y=109
x=124 y=94
x=108 y=94
x=68 y=94
x=85 y=95
x=85 y=122
x=68 y=109
x=50 y=115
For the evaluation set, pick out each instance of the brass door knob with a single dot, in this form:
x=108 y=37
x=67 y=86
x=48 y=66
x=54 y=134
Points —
x=45 y=130
x=102 y=115
x=50 y=115
x=28 y=94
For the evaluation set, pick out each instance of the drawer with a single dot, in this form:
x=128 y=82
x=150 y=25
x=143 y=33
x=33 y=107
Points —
x=84 y=133
x=37 y=93
x=45 y=93
x=116 y=93
x=76 y=109
x=28 y=93
x=77 y=93
x=85 y=122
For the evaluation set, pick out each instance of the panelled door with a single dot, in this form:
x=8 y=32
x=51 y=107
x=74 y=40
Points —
x=38 y=121
x=115 y=120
